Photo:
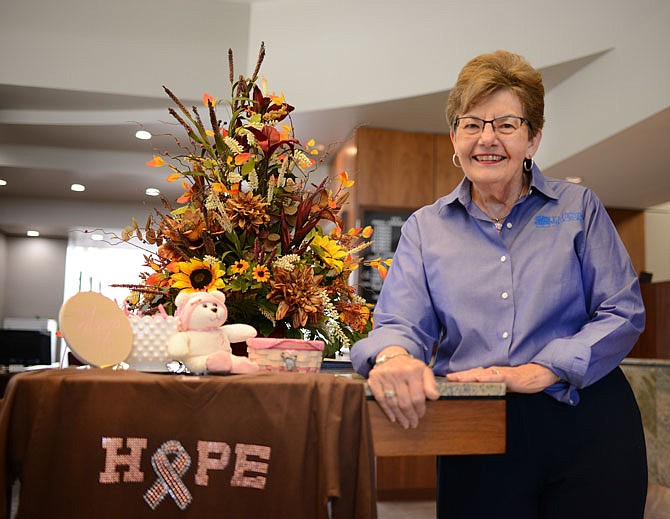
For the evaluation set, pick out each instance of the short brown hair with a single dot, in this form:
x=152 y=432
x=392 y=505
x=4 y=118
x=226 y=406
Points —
x=485 y=74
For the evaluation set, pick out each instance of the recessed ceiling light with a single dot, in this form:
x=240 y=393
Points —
x=143 y=134
x=152 y=191
x=574 y=180
x=3 y=182
x=78 y=187
x=33 y=234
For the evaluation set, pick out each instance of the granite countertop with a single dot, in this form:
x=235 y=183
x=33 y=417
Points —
x=446 y=389
x=464 y=389
x=470 y=389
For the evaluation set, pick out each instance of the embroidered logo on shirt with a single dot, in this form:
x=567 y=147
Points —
x=552 y=221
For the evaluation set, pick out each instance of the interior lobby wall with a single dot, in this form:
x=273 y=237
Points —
x=35 y=273
x=657 y=241
x=3 y=274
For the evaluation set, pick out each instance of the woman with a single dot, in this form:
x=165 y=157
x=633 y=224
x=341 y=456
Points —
x=521 y=279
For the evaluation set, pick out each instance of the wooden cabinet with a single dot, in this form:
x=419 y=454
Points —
x=630 y=226
x=406 y=478
x=447 y=176
x=654 y=343
x=396 y=170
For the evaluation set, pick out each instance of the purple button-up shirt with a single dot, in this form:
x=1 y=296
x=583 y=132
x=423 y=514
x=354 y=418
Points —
x=555 y=287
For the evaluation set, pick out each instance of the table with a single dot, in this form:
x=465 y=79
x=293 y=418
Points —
x=103 y=443
x=108 y=444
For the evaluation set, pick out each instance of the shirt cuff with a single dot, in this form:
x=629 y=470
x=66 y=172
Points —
x=568 y=358
x=563 y=392
x=365 y=351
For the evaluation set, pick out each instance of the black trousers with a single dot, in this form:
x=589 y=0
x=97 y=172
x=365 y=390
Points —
x=576 y=462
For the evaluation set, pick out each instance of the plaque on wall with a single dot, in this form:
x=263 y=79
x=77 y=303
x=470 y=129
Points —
x=386 y=225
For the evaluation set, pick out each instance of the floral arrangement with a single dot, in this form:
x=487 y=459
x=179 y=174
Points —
x=251 y=224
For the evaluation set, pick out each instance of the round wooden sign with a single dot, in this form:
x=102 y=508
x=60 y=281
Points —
x=96 y=329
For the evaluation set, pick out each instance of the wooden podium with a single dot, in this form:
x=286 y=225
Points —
x=450 y=427
x=472 y=420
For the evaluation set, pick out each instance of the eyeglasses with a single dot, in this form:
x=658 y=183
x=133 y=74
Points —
x=501 y=125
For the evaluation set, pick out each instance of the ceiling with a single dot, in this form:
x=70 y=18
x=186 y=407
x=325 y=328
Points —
x=59 y=137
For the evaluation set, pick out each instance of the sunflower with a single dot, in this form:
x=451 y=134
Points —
x=240 y=266
x=197 y=275
x=261 y=274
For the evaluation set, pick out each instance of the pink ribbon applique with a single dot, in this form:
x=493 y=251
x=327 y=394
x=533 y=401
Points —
x=169 y=475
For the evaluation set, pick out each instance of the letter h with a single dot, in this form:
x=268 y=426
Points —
x=113 y=459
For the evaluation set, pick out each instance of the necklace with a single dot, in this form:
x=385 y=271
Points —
x=498 y=222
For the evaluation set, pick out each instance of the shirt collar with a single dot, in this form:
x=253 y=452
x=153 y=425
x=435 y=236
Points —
x=538 y=182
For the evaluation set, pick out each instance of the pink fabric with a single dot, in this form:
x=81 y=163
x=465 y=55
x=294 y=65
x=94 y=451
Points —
x=263 y=343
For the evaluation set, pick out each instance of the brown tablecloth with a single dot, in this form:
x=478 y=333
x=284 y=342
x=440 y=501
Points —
x=101 y=443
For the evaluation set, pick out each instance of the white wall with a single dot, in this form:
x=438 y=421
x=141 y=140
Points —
x=35 y=272
x=600 y=94
x=3 y=274
x=657 y=241
x=122 y=47
x=73 y=214
x=378 y=50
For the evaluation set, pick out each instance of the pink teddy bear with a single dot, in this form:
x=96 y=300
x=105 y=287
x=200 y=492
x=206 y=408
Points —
x=202 y=343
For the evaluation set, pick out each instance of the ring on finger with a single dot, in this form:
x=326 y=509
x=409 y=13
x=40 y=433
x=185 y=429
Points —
x=495 y=371
x=389 y=393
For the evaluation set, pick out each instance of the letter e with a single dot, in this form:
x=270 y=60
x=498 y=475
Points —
x=244 y=465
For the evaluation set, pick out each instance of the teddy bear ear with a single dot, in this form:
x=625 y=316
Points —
x=220 y=296
x=181 y=298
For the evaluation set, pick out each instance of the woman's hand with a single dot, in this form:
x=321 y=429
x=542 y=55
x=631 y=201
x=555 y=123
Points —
x=401 y=385
x=526 y=378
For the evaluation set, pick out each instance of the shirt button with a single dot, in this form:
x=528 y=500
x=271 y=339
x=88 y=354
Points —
x=504 y=295
x=503 y=258
x=509 y=225
x=505 y=335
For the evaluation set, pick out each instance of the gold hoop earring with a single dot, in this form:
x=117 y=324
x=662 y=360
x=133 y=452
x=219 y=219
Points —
x=453 y=160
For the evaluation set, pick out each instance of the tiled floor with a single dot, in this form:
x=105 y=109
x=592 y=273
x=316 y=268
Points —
x=658 y=507
x=426 y=510
x=406 y=510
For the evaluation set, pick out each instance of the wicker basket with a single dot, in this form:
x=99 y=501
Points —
x=285 y=354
